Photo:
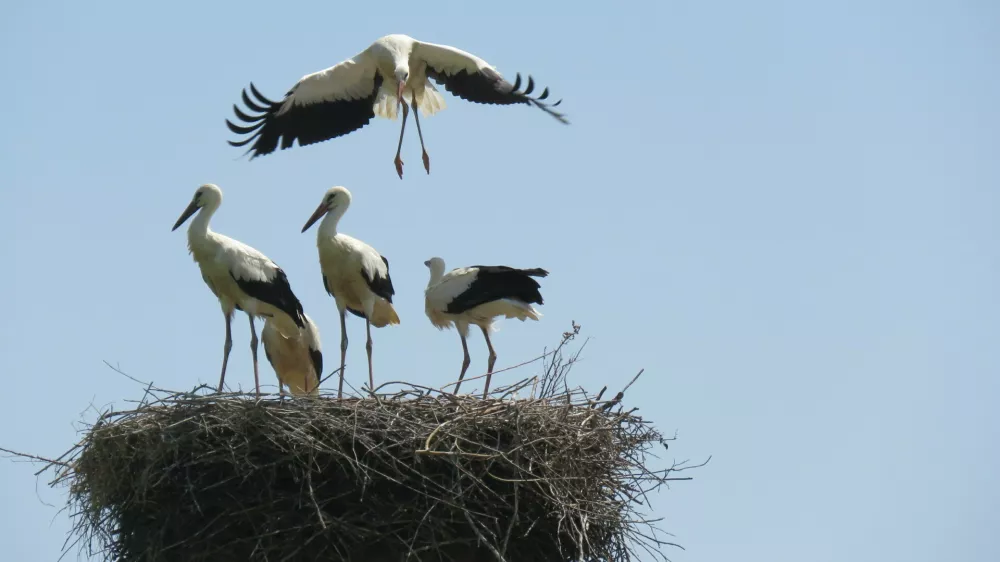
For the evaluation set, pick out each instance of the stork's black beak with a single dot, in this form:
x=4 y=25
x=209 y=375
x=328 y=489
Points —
x=192 y=208
x=427 y=263
x=320 y=211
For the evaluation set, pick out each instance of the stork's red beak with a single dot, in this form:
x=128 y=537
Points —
x=399 y=93
x=318 y=214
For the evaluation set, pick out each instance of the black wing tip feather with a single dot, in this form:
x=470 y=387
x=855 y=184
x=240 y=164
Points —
x=277 y=293
x=261 y=110
x=317 y=361
x=310 y=124
x=487 y=86
x=495 y=282
x=537 y=101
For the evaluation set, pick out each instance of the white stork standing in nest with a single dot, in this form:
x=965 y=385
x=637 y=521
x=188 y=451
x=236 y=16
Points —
x=240 y=277
x=354 y=273
x=345 y=97
x=477 y=295
x=297 y=361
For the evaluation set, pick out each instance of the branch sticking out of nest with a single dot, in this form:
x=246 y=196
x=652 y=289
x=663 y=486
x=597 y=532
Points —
x=418 y=475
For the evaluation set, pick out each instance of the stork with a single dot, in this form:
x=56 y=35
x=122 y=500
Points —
x=239 y=276
x=477 y=295
x=297 y=361
x=354 y=273
x=345 y=97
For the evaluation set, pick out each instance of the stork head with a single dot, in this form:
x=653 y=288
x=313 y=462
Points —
x=436 y=265
x=208 y=195
x=335 y=201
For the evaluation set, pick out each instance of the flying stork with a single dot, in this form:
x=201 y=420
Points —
x=240 y=277
x=345 y=97
x=297 y=361
x=477 y=295
x=354 y=273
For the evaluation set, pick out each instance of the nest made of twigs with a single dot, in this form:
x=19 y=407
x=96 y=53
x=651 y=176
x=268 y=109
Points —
x=417 y=475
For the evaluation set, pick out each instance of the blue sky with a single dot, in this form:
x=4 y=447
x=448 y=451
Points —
x=786 y=212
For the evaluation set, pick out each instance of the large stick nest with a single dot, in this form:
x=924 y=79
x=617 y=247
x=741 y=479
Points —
x=418 y=475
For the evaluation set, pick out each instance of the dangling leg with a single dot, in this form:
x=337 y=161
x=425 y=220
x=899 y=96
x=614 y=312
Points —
x=228 y=345
x=343 y=351
x=253 y=351
x=465 y=362
x=427 y=159
x=368 y=346
x=493 y=360
x=398 y=161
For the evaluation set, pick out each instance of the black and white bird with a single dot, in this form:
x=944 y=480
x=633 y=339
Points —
x=354 y=273
x=240 y=277
x=345 y=97
x=297 y=361
x=477 y=295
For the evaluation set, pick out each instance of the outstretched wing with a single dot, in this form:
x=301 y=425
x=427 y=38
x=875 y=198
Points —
x=321 y=106
x=473 y=79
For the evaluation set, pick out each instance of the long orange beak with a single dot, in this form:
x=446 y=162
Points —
x=399 y=93
x=318 y=214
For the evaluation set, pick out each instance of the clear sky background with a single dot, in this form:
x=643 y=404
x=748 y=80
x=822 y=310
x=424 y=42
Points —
x=786 y=212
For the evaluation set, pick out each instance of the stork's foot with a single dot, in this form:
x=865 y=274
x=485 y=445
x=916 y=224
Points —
x=399 y=166
x=427 y=162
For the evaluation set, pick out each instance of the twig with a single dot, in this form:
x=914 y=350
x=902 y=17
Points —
x=35 y=458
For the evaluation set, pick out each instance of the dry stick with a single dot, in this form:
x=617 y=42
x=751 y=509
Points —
x=542 y=356
x=326 y=378
x=621 y=394
x=35 y=458
x=482 y=538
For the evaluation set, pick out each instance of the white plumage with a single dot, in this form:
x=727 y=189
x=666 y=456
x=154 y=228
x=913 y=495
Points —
x=477 y=295
x=297 y=361
x=354 y=273
x=240 y=277
x=345 y=97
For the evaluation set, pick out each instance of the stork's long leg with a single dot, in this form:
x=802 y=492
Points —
x=427 y=159
x=343 y=351
x=398 y=161
x=465 y=362
x=225 y=348
x=493 y=360
x=253 y=351
x=368 y=346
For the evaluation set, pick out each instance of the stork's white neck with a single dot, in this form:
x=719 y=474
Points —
x=328 y=226
x=437 y=272
x=199 y=225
